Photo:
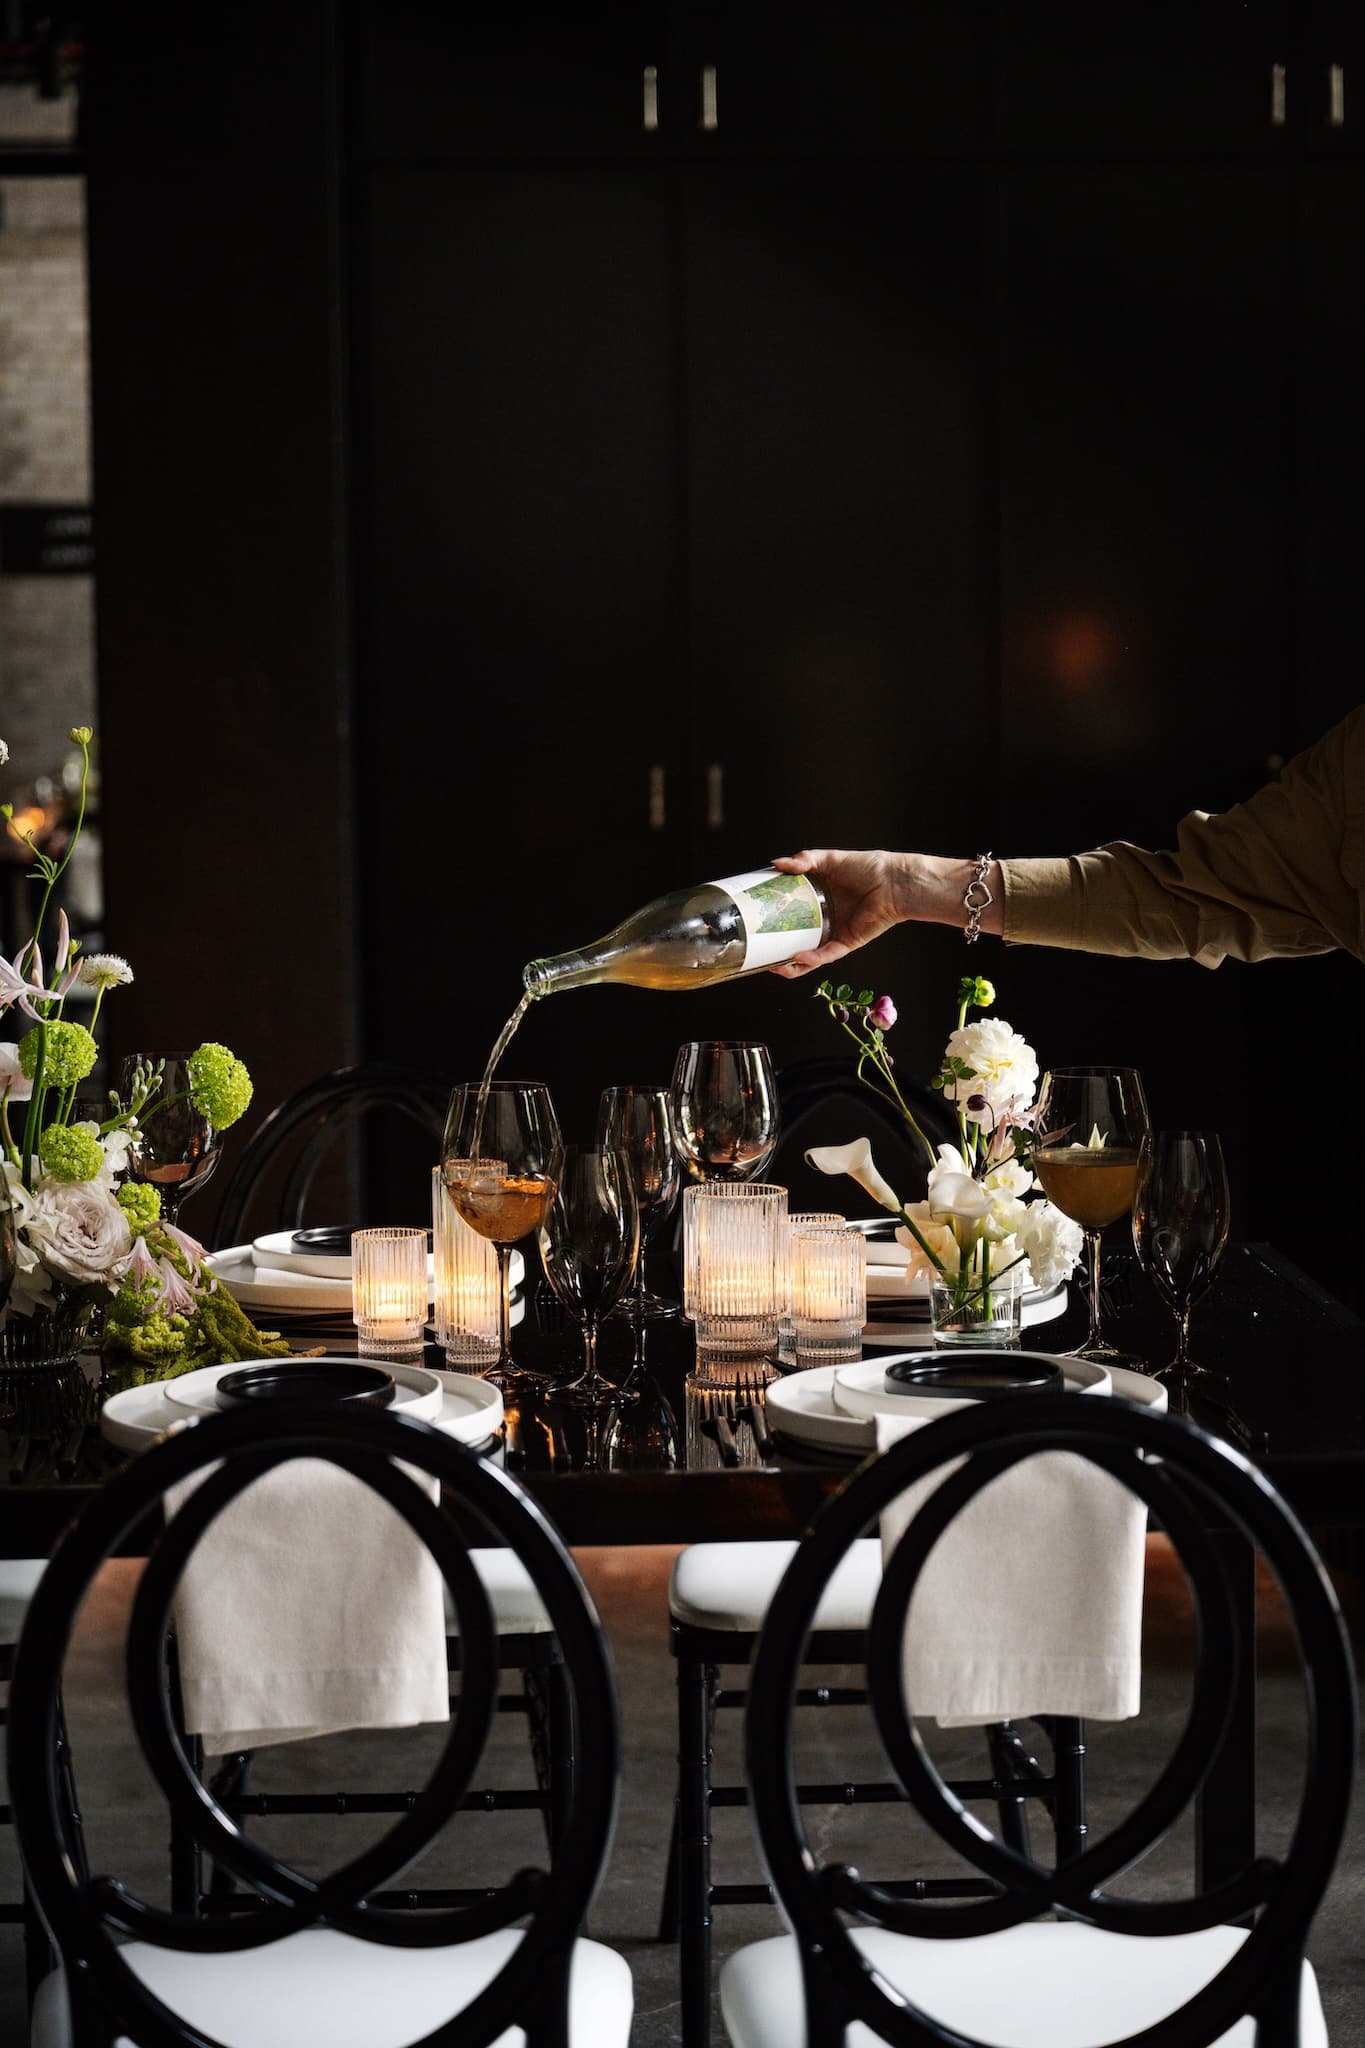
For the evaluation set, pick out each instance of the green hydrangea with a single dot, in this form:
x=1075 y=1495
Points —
x=140 y=1203
x=220 y=1086
x=71 y=1053
x=70 y=1152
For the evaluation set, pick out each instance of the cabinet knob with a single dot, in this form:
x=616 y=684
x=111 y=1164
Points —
x=715 y=795
x=658 y=806
x=650 y=114
x=708 y=97
x=1277 y=95
x=1336 y=96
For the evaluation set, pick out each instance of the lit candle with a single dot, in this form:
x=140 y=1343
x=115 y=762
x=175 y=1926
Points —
x=829 y=1292
x=735 y=1265
x=467 y=1284
x=389 y=1288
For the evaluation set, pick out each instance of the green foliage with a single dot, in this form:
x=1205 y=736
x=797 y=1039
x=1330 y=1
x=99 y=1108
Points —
x=140 y=1203
x=71 y=1053
x=70 y=1152
x=220 y=1086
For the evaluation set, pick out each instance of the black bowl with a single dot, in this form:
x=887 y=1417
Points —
x=308 y=1379
x=975 y=1375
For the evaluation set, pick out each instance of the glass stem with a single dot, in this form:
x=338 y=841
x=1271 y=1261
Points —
x=504 y=1252
x=1182 y=1336
x=1092 y=1245
x=589 y=1375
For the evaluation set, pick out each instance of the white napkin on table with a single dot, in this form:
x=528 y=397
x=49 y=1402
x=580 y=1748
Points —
x=1031 y=1601
x=309 y=1606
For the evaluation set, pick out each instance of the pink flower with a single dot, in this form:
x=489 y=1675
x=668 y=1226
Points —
x=882 y=1013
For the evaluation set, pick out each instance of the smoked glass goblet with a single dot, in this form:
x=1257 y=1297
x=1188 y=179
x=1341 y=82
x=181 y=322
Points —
x=500 y=1159
x=589 y=1243
x=725 y=1109
x=1180 y=1226
x=176 y=1147
x=1089 y=1131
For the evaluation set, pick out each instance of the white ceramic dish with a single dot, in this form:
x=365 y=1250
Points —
x=275 y=1251
x=801 y=1406
x=470 y=1410
x=415 y=1391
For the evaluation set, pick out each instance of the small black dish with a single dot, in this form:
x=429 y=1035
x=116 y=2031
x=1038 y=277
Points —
x=974 y=1376
x=312 y=1379
x=332 y=1240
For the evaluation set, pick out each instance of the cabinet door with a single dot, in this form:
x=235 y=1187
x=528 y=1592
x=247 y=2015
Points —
x=1144 y=75
x=521 y=655
x=840 y=522
x=1330 y=84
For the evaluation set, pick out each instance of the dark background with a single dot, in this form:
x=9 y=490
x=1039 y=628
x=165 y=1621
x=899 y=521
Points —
x=956 y=447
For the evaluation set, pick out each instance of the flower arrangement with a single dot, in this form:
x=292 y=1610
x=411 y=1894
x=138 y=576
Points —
x=83 y=1235
x=982 y=1217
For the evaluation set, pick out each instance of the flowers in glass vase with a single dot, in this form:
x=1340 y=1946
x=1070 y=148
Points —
x=83 y=1236
x=983 y=1225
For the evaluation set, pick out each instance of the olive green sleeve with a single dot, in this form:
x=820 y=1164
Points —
x=1280 y=875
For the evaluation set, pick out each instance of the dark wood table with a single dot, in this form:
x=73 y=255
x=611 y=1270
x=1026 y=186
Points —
x=1292 y=1394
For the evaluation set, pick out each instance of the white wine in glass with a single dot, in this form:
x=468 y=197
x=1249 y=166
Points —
x=1089 y=1134
x=500 y=1159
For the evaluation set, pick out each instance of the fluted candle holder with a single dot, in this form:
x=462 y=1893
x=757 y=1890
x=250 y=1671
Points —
x=468 y=1289
x=735 y=1267
x=829 y=1293
x=389 y=1290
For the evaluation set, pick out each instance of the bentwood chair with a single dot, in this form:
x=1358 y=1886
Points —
x=320 y=1962
x=1051 y=1960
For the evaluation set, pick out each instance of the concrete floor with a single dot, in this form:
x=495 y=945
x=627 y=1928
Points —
x=630 y=1588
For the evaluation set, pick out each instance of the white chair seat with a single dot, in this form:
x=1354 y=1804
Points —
x=19 y=1578
x=731 y=1585
x=320 y=1989
x=518 y=1609
x=1050 y=1984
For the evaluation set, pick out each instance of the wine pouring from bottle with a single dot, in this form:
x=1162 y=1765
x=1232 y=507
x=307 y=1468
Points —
x=694 y=937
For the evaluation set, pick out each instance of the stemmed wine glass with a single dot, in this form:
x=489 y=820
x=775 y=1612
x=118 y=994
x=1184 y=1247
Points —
x=1180 y=1226
x=500 y=1159
x=589 y=1242
x=1089 y=1131
x=176 y=1147
x=725 y=1108
x=638 y=1123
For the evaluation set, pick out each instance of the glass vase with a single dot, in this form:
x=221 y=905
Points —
x=970 y=1313
x=48 y=1340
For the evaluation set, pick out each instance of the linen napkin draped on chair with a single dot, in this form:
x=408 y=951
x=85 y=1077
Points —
x=307 y=1607
x=1031 y=1601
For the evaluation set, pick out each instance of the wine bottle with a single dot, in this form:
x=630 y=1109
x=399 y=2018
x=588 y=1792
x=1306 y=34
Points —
x=692 y=937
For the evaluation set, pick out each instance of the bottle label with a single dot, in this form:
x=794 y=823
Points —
x=781 y=915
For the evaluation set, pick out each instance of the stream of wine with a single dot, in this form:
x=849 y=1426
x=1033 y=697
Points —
x=500 y=1045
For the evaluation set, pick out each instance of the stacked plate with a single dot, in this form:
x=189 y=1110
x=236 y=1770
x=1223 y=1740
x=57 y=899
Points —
x=291 y=1277
x=459 y=1403
x=835 y=1407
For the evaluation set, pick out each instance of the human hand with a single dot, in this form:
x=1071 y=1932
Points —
x=867 y=895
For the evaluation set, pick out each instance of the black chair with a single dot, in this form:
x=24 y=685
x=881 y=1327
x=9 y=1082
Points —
x=1105 y=1967
x=310 y=1123
x=824 y=1102
x=318 y=1950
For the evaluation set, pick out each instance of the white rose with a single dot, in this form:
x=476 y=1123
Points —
x=80 y=1232
x=1004 y=1067
x=1052 y=1241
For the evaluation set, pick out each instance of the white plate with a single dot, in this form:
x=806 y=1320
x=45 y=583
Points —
x=916 y=1329
x=470 y=1411
x=415 y=1391
x=276 y=1251
x=801 y=1406
x=861 y=1389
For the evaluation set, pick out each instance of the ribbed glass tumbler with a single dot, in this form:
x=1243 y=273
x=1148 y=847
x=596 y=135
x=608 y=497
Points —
x=389 y=1290
x=734 y=1268
x=468 y=1290
x=829 y=1292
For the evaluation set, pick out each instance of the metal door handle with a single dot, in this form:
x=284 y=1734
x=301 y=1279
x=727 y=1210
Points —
x=1277 y=95
x=715 y=795
x=1336 y=96
x=658 y=808
x=650 y=115
x=708 y=96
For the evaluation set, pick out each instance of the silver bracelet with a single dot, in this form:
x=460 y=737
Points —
x=976 y=897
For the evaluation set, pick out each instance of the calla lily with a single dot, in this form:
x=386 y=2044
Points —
x=958 y=1195
x=856 y=1161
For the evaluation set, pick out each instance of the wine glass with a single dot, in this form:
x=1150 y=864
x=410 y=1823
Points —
x=589 y=1242
x=1089 y=1130
x=500 y=1159
x=176 y=1147
x=1180 y=1226
x=638 y=1123
x=725 y=1109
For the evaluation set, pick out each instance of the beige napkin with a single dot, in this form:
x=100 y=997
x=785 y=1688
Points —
x=309 y=1606
x=1031 y=1601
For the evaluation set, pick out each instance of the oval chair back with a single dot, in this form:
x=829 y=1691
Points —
x=88 y=1918
x=824 y=1103
x=1196 y=1485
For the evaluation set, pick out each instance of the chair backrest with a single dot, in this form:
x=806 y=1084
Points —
x=824 y=1103
x=312 y=1121
x=87 y=1917
x=1195 y=1484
